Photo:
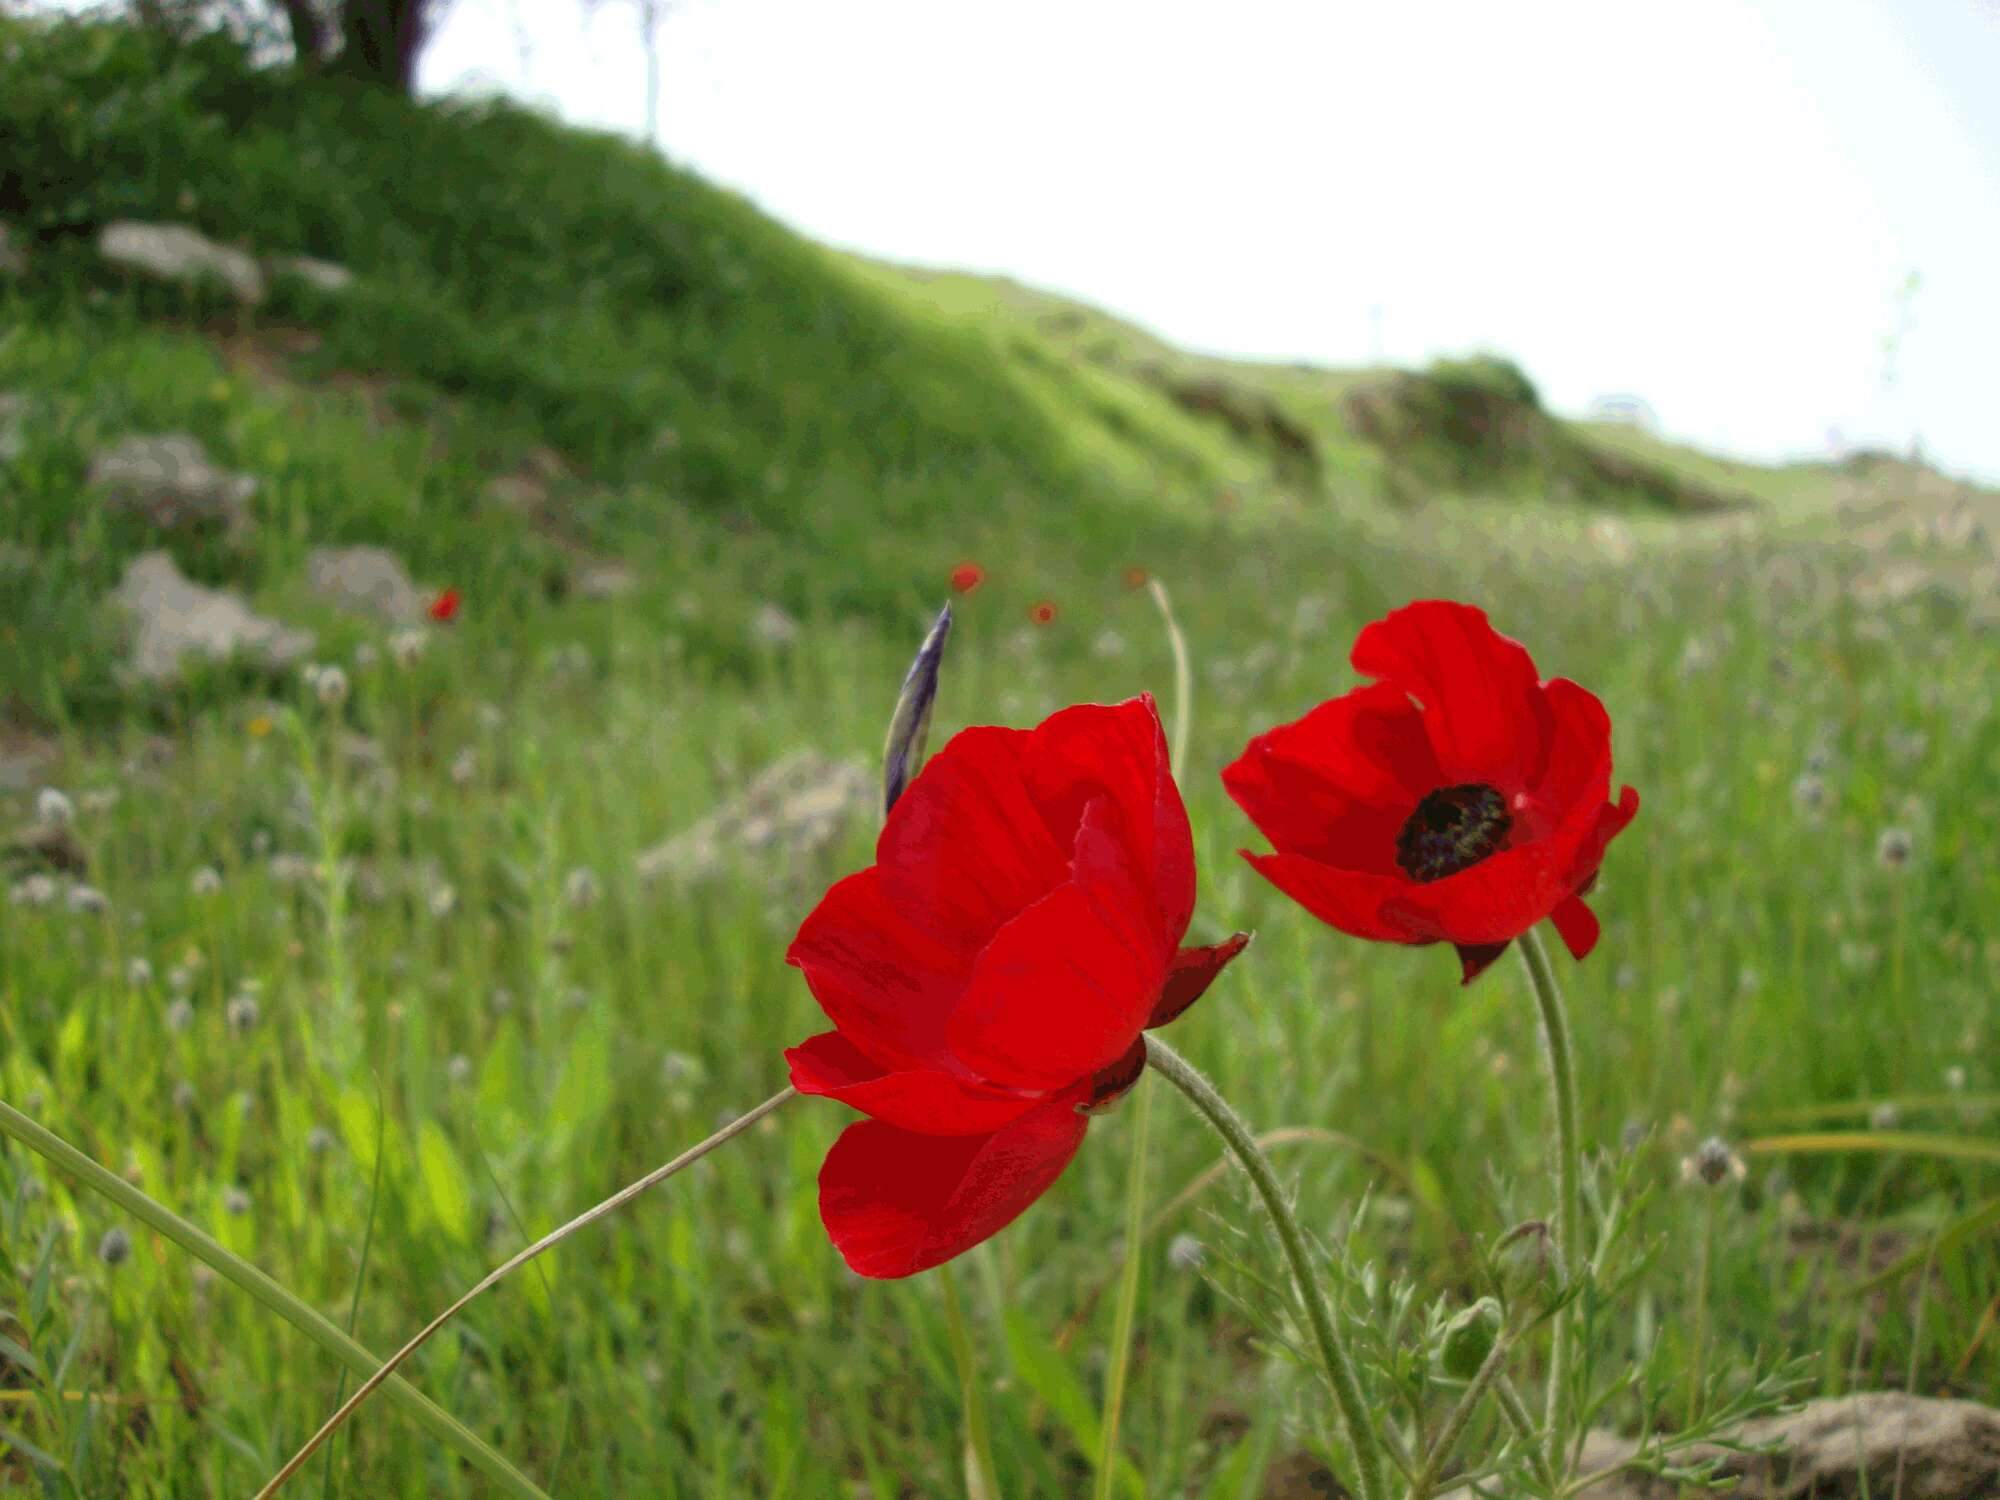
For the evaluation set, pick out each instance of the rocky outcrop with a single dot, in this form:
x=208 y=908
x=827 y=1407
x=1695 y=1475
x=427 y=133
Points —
x=174 y=617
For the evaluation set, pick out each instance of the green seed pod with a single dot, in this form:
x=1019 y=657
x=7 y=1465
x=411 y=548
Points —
x=1469 y=1338
x=1524 y=1265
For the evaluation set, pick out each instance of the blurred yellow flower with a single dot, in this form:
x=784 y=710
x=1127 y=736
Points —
x=259 y=726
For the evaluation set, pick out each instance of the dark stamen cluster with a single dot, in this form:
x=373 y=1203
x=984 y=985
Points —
x=1454 y=828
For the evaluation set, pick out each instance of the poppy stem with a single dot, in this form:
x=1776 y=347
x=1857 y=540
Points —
x=1557 y=1052
x=982 y=1480
x=1490 y=1370
x=547 y=1242
x=434 y=1419
x=1339 y=1368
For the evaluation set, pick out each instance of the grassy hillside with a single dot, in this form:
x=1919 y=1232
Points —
x=456 y=1040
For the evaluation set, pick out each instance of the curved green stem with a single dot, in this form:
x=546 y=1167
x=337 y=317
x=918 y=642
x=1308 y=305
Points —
x=982 y=1481
x=1334 y=1358
x=431 y=1417
x=1557 y=1052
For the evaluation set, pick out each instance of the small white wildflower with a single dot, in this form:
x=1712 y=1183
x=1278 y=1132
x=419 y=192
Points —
x=1185 y=1253
x=489 y=715
x=180 y=1014
x=502 y=999
x=139 y=973
x=329 y=685
x=365 y=656
x=459 y=1069
x=206 y=881
x=1711 y=1163
x=443 y=901
x=36 y=890
x=88 y=900
x=406 y=646
x=1884 y=1116
x=319 y=1140
x=581 y=888
x=291 y=869
x=243 y=1012
x=1809 y=794
x=53 y=807
x=260 y=842
x=464 y=766
x=1108 y=645
x=115 y=1248
x=1893 y=848
x=235 y=1201
x=1954 y=1079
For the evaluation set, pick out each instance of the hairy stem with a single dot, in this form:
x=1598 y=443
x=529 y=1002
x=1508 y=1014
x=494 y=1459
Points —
x=1334 y=1358
x=982 y=1481
x=1489 y=1371
x=1557 y=1052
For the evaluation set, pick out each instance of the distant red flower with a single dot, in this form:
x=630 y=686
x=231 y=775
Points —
x=1135 y=578
x=967 y=576
x=444 y=608
x=1457 y=799
x=1042 y=612
x=989 y=976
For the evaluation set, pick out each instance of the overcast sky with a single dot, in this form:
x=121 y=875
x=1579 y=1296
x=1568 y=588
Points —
x=1714 y=205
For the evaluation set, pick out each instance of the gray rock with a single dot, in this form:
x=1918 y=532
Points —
x=169 y=480
x=326 y=275
x=605 y=581
x=175 y=616
x=1880 y=1443
x=366 y=580
x=174 y=252
x=795 y=809
x=772 y=626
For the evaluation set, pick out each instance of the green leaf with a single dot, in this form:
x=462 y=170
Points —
x=445 y=1183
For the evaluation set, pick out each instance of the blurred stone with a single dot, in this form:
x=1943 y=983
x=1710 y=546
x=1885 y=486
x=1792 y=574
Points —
x=322 y=274
x=773 y=626
x=47 y=841
x=795 y=809
x=13 y=255
x=605 y=581
x=174 y=252
x=175 y=615
x=169 y=480
x=1876 y=1444
x=366 y=580
x=25 y=760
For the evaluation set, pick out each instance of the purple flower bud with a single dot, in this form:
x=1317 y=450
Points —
x=910 y=725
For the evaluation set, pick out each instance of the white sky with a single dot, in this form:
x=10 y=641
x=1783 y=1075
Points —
x=1714 y=205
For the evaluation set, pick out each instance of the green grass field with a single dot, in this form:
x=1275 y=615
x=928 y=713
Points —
x=450 y=1050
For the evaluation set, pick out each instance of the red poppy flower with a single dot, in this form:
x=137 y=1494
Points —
x=1456 y=799
x=1042 y=612
x=444 y=608
x=1135 y=577
x=988 y=977
x=967 y=576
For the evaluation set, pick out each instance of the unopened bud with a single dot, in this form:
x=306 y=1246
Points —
x=1524 y=1263
x=1469 y=1338
x=910 y=724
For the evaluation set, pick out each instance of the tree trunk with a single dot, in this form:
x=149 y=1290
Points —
x=380 y=40
x=308 y=30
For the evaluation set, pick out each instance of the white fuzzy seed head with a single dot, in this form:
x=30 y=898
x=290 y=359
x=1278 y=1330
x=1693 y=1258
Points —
x=51 y=806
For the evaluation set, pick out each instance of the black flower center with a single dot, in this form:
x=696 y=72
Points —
x=1454 y=828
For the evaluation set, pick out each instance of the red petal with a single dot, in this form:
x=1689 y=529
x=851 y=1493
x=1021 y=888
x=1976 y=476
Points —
x=1365 y=906
x=1090 y=752
x=885 y=982
x=1337 y=784
x=965 y=850
x=934 y=1103
x=1578 y=925
x=1066 y=986
x=895 y=1203
x=1577 y=766
x=1482 y=707
x=1475 y=959
x=1190 y=974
